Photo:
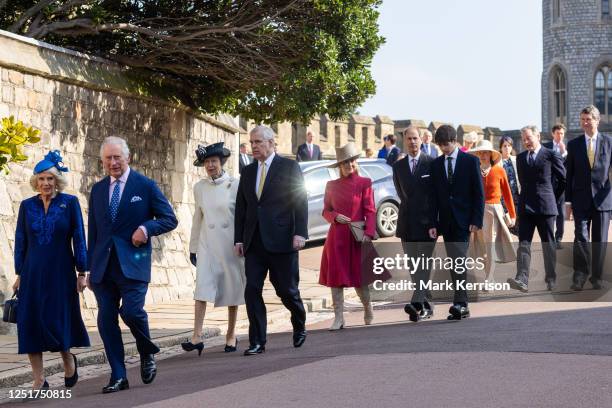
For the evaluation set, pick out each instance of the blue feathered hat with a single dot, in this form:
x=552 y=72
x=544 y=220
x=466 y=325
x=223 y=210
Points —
x=52 y=159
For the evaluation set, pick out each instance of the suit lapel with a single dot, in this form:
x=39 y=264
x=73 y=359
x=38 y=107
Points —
x=104 y=192
x=272 y=171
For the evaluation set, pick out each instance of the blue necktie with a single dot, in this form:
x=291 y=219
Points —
x=114 y=203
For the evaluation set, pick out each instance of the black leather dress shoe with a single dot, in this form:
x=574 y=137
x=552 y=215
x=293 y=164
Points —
x=458 y=312
x=116 y=385
x=148 y=368
x=518 y=285
x=551 y=285
x=413 y=314
x=577 y=286
x=597 y=285
x=254 y=350
x=299 y=338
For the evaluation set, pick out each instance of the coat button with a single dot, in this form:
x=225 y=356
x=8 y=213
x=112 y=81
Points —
x=225 y=225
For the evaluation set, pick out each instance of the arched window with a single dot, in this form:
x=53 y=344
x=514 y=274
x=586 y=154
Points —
x=559 y=96
x=556 y=11
x=603 y=92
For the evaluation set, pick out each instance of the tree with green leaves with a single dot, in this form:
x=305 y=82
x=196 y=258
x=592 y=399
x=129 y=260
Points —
x=13 y=136
x=267 y=60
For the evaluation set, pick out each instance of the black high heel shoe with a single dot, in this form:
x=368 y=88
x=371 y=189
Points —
x=189 y=346
x=231 y=349
x=71 y=381
x=34 y=397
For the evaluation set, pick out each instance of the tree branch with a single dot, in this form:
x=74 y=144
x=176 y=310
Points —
x=31 y=12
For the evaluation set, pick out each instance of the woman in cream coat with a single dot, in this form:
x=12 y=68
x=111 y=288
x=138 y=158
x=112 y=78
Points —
x=220 y=275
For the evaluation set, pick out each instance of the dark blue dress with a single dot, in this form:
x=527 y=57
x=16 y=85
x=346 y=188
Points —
x=49 y=313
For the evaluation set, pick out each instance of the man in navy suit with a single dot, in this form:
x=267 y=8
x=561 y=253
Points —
x=245 y=159
x=412 y=179
x=271 y=226
x=536 y=168
x=126 y=209
x=588 y=189
x=427 y=147
x=558 y=146
x=457 y=208
x=308 y=151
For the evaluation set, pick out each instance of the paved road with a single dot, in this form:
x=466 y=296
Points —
x=513 y=355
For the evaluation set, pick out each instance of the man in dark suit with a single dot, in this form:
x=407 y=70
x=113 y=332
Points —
x=245 y=159
x=126 y=209
x=536 y=168
x=411 y=176
x=308 y=151
x=558 y=146
x=271 y=225
x=457 y=208
x=588 y=189
x=428 y=147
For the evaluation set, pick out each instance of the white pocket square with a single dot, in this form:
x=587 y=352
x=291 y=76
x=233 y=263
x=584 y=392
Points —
x=425 y=175
x=135 y=199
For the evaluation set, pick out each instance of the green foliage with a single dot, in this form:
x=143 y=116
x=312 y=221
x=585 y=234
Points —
x=13 y=136
x=308 y=57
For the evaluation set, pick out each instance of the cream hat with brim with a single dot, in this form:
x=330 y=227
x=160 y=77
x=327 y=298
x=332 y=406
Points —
x=347 y=152
x=486 y=146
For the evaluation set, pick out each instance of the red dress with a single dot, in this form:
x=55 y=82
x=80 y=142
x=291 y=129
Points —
x=341 y=260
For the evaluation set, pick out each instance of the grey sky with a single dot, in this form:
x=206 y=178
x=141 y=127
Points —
x=461 y=61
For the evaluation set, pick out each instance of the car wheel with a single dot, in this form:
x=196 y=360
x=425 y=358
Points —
x=386 y=219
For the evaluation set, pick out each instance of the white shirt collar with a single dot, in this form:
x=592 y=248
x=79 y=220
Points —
x=453 y=154
x=414 y=157
x=123 y=177
x=269 y=160
x=586 y=137
x=536 y=151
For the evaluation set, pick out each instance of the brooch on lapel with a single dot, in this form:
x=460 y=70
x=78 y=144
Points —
x=62 y=205
x=135 y=199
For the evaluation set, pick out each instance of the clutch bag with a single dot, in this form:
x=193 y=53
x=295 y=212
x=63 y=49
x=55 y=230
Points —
x=9 y=314
x=358 y=230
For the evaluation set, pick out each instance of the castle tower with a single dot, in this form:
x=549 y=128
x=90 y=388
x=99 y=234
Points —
x=577 y=37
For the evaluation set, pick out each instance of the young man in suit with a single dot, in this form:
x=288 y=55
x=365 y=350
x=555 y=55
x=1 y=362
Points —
x=536 y=168
x=411 y=176
x=271 y=226
x=126 y=209
x=588 y=189
x=427 y=147
x=308 y=151
x=457 y=208
x=558 y=146
x=245 y=158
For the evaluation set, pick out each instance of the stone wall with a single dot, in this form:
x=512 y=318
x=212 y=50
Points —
x=77 y=101
x=578 y=43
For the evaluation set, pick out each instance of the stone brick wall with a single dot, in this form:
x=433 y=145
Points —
x=579 y=42
x=77 y=101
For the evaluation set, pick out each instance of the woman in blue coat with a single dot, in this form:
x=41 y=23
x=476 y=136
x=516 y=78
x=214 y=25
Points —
x=49 y=244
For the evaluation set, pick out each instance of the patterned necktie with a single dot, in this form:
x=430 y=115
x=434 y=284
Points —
x=114 y=203
x=591 y=152
x=449 y=167
x=262 y=180
x=531 y=159
x=413 y=165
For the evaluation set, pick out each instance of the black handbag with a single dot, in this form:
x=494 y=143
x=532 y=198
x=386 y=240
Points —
x=10 y=309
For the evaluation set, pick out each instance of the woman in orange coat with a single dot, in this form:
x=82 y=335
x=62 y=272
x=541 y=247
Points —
x=347 y=199
x=495 y=224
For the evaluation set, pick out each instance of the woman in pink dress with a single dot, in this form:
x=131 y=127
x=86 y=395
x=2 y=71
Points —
x=347 y=199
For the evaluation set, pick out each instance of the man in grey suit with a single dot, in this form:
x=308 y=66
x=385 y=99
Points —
x=588 y=189
x=412 y=179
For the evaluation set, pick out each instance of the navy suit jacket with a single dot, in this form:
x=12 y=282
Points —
x=280 y=213
x=142 y=203
x=462 y=200
x=433 y=152
x=586 y=187
x=304 y=155
x=414 y=191
x=538 y=195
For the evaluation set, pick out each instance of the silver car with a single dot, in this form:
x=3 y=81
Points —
x=316 y=176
